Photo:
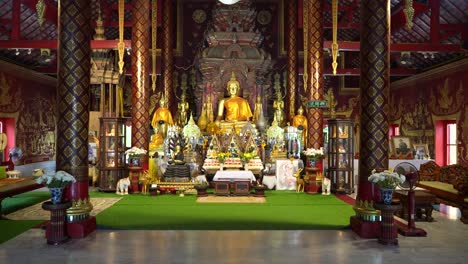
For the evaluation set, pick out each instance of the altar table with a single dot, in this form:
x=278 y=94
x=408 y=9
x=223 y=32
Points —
x=234 y=175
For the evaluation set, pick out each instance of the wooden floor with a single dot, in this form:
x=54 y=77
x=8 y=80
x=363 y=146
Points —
x=445 y=243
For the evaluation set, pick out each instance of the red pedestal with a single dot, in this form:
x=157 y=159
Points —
x=365 y=229
x=56 y=230
x=388 y=229
x=134 y=173
x=314 y=183
x=81 y=228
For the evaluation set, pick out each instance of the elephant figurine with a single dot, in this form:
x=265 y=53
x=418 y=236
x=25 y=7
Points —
x=122 y=186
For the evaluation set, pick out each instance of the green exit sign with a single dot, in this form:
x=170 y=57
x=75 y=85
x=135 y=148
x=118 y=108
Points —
x=317 y=104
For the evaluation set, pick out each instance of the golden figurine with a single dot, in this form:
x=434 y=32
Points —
x=162 y=114
x=278 y=105
x=237 y=108
x=182 y=110
x=301 y=120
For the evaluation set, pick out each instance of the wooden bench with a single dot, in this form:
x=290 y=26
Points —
x=448 y=183
x=14 y=186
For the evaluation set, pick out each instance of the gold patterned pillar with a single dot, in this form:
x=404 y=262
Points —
x=375 y=86
x=74 y=65
x=292 y=57
x=168 y=49
x=141 y=62
x=315 y=72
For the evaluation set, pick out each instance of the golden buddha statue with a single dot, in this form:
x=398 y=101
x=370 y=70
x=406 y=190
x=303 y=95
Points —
x=162 y=113
x=182 y=110
x=300 y=119
x=237 y=108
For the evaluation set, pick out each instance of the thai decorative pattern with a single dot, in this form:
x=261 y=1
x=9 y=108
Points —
x=375 y=41
x=315 y=72
x=73 y=88
x=292 y=57
x=167 y=50
x=141 y=62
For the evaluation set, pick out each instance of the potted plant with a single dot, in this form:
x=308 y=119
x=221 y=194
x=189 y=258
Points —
x=313 y=155
x=201 y=188
x=221 y=157
x=387 y=182
x=56 y=183
x=134 y=156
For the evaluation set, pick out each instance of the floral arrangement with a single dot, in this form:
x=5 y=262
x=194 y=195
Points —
x=135 y=152
x=58 y=180
x=247 y=156
x=386 y=179
x=313 y=153
x=222 y=156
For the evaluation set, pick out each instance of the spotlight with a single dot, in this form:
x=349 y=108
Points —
x=17 y=52
x=128 y=51
x=432 y=56
x=29 y=51
x=425 y=55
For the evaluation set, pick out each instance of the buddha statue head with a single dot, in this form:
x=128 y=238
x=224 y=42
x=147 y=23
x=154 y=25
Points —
x=163 y=101
x=233 y=85
x=300 y=111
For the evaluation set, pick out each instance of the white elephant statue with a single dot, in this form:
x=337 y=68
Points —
x=122 y=186
x=326 y=185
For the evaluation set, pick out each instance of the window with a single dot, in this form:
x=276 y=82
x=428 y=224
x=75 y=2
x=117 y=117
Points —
x=394 y=130
x=446 y=142
x=451 y=143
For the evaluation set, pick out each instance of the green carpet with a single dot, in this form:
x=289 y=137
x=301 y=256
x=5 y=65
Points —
x=284 y=210
x=10 y=229
x=24 y=200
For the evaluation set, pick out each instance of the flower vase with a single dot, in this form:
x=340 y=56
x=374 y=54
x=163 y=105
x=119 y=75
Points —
x=134 y=162
x=56 y=195
x=386 y=195
x=221 y=166
x=246 y=166
x=312 y=163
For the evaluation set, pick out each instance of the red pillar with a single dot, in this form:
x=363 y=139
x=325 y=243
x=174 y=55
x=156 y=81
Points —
x=74 y=64
x=292 y=57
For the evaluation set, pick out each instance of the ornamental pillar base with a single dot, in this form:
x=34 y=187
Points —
x=81 y=229
x=365 y=229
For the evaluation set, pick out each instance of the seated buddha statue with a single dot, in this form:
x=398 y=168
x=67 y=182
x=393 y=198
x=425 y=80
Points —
x=162 y=113
x=162 y=118
x=234 y=108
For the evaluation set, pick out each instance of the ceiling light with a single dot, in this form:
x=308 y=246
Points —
x=229 y=2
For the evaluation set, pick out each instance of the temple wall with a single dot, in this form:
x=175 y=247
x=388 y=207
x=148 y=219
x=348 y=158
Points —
x=30 y=99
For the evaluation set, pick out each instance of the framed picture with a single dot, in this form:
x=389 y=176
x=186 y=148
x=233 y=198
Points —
x=422 y=150
x=402 y=147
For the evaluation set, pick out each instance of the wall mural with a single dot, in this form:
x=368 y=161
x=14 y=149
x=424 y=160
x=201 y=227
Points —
x=36 y=117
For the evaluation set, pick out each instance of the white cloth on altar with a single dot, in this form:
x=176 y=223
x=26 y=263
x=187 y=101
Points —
x=285 y=179
x=234 y=175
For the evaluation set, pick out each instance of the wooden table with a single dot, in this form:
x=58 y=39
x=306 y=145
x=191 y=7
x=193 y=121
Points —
x=423 y=204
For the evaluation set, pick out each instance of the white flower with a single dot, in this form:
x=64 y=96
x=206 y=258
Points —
x=314 y=153
x=386 y=179
x=135 y=151
x=58 y=180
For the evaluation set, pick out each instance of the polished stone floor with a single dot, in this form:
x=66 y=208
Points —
x=446 y=243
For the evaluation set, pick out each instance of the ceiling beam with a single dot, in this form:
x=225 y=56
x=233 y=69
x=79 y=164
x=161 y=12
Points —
x=344 y=45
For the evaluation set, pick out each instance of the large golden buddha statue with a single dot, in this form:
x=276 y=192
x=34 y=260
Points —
x=162 y=113
x=237 y=108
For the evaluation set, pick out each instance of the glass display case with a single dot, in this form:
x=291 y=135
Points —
x=111 y=152
x=340 y=151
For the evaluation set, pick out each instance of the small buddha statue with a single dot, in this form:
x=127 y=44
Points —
x=177 y=156
x=278 y=105
x=234 y=108
x=182 y=110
